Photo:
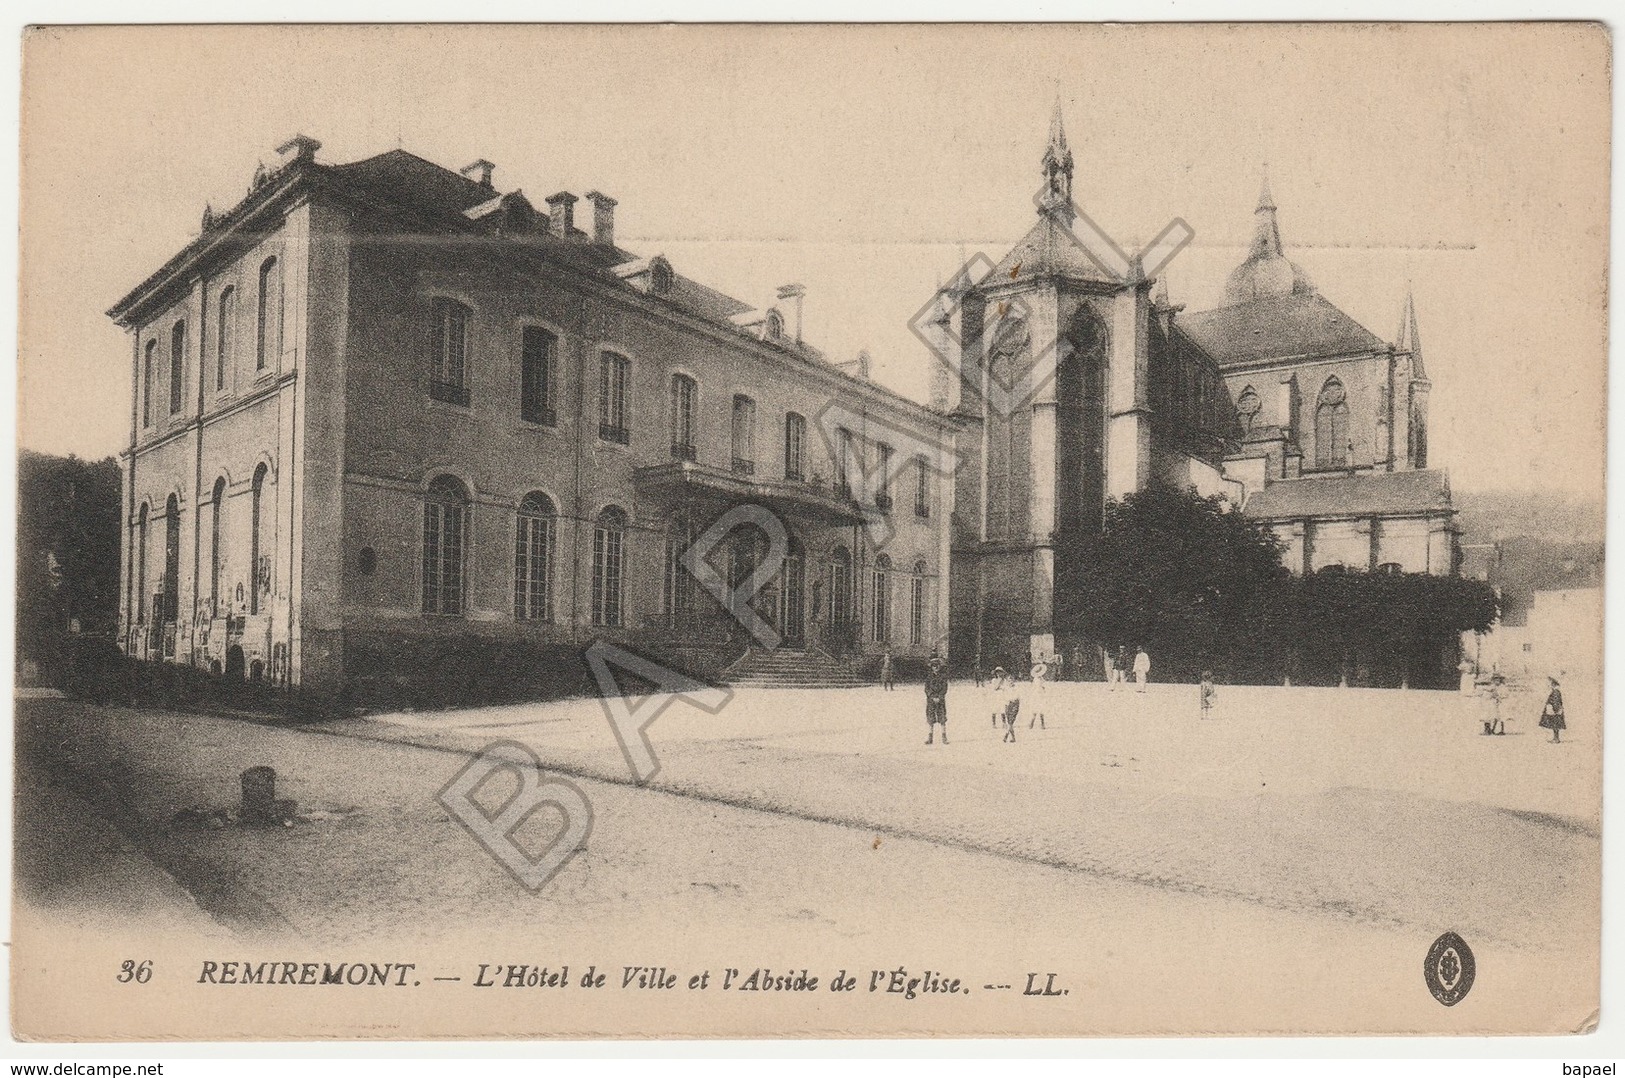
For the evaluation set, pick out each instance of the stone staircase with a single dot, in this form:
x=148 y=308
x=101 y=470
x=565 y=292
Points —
x=785 y=668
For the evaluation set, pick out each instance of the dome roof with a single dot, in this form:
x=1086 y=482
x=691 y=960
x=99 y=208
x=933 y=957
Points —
x=1266 y=273
x=1265 y=278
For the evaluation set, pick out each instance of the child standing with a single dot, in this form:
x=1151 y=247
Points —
x=1040 y=670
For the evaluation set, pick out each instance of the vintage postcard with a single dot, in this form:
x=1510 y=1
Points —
x=810 y=531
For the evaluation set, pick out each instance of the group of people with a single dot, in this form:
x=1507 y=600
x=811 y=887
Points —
x=1495 y=695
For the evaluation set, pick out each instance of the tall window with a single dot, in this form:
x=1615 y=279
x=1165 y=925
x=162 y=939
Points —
x=536 y=377
x=840 y=587
x=744 y=434
x=172 y=558
x=445 y=526
x=684 y=394
x=883 y=455
x=1418 y=433
x=922 y=488
x=448 y=351
x=614 y=375
x=140 y=559
x=916 y=604
x=177 y=365
x=533 y=560
x=843 y=462
x=225 y=340
x=255 y=575
x=215 y=510
x=146 y=383
x=880 y=603
x=1332 y=426
x=609 y=568
x=795 y=445
x=678 y=593
x=268 y=316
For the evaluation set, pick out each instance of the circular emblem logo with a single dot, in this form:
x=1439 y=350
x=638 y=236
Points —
x=1449 y=969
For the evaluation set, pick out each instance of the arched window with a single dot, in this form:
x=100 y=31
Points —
x=268 y=315
x=614 y=383
x=172 y=558
x=146 y=383
x=609 y=568
x=177 y=365
x=533 y=560
x=445 y=525
x=678 y=591
x=1418 y=433
x=684 y=396
x=880 y=606
x=845 y=461
x=216 y=554
x=257 y=578
x=140 y=559
x=775 y=325
x=744 y=435
x=448 y=351
x=1332 y=426
x=1247 y=408
x=795 y=446
x=922 y=487
x=916 y=604
x=225 y=341
x=536 y=390
x=840 y=586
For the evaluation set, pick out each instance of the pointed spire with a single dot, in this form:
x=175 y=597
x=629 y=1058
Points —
x=1266 y=231
x=1057 y=169
x=1409 y=338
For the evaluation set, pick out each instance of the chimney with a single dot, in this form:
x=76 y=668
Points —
x=795 y=292
x=603 y=218
x=562 y=214
x=480 y=172
x=299 y=148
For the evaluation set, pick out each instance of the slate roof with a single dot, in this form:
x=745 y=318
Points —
x=1278 y=327
x=1048 y=249
x=1385 y=494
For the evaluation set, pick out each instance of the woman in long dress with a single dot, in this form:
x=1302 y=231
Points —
x=1551 y=716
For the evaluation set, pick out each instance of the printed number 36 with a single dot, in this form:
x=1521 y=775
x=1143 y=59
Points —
x=130 y=971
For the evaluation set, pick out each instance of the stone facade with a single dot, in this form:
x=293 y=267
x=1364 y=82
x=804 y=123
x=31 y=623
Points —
x=434 y=411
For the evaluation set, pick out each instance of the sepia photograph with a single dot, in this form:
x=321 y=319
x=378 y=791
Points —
x=519 y=529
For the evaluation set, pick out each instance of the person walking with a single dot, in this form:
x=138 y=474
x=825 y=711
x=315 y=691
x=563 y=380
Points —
x=1208 y=694
x=1551 y=716
x=936 y=700
x=886 y=681
x=1117 y=671
x=1040 y=670
x=1142 y=669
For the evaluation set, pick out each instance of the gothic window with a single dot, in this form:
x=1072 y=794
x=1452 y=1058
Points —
x=1247 y=408
x=609 y=568
x=1332 y=426
x=533 y=559
x=445 y=526
x=684 y=395
x=1418 y=435
x=448 y=351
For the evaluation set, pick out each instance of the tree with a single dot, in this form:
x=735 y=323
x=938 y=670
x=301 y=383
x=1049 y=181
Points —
x=1181 y=575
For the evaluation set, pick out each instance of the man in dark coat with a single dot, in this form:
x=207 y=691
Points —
x=1551 y=716
x=936 y=700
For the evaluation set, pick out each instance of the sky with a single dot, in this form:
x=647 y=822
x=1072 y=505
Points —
x=1468 y=163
